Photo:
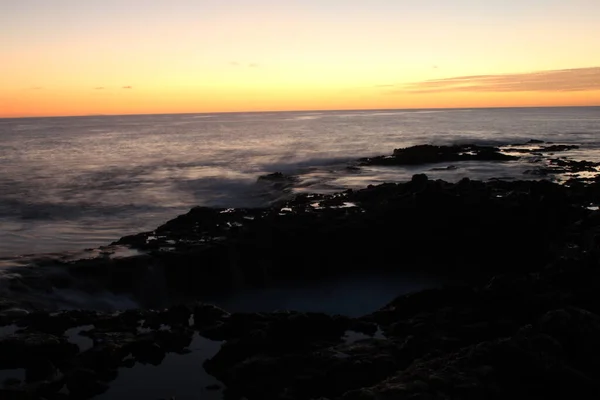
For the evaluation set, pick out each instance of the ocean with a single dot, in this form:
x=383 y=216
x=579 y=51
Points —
x=69 y=183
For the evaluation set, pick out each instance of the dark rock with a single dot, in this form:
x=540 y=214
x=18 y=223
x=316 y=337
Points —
x=56 y=324
x=427 y=154
x=15 y=394
x=174 y=340
x=422 y=214
x=109 y=350
x=147 y=352
x=208 y=314
x=419 y=182
x=448 y=168
x=177 y=315
x=21 y=349
x=532 y=364
x=40 y=370
x=273 y=177
x=122 y=322
x=579 y=333
x=558 y=147
x=326 y=372
x=278 y=181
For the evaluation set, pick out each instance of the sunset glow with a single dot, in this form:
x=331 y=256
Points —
x=68 y=57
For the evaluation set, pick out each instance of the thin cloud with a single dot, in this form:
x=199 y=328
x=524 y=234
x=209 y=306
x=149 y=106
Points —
x=239 y=64
x=99 y=88
x=564 y=80
x=383 y=86
x=127 y=87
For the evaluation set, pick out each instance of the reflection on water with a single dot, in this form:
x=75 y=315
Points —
x=353 y=337
x=83 y=342
x=8 y=330
x=180 y=377
x=11 y=377
x=352 y=295
x=183 y=377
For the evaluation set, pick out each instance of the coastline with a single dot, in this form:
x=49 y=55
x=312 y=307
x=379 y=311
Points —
x=523 y=255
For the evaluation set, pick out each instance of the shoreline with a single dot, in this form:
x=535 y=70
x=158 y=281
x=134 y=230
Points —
x=525 y=254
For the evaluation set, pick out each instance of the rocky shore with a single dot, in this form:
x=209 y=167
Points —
x=521 y=320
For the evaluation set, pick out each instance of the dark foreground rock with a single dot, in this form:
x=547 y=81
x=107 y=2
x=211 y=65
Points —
x=477 y=229
x=521 y=335
x=533 y=335
x=523 y=321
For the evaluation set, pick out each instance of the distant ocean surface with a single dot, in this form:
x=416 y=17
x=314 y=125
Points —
x=77 y=182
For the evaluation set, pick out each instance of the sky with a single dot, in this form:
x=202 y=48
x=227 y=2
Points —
x=74 y=57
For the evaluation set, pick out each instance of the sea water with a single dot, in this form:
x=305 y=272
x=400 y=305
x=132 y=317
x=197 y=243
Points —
x=69 y=183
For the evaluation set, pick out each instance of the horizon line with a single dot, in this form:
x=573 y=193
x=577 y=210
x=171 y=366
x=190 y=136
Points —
x=290 y=111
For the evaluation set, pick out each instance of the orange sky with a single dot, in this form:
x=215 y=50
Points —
x=133 y=56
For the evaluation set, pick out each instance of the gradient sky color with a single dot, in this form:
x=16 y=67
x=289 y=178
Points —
x=74 y=57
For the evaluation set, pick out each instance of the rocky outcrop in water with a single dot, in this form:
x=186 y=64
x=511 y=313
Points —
x=426 y=154
x=539 y=153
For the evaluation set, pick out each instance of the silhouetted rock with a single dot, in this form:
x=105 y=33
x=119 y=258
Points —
x=21 y=349
x=428 y=154
x=208 y=315
x=558 y=147
x=277 y=182
x=147 y=351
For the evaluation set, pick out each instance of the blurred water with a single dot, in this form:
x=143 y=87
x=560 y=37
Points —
x=70 y=183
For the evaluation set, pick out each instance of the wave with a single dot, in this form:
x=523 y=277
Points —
x=298 y=166
x=500 y=141
x=48 y=210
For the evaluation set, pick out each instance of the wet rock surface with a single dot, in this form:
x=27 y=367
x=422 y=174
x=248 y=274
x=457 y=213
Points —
x=476 y=228
x=522 y=321
x=425 y=154
x=543 y=157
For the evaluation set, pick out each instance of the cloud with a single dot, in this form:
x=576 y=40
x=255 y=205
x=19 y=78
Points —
x=239 y=64
x=127 y=87
x=563 y=80
x=99 y=88
x=383 y=86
